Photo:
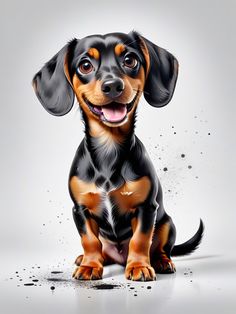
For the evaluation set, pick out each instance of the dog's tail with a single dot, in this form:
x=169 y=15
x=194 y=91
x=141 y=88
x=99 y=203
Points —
x=190 y=245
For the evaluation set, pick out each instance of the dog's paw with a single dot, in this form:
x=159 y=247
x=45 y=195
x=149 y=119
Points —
x=164 y=265
x=140 y=273
x=88 y=273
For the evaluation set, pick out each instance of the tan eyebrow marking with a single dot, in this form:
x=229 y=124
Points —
x=119 y=49
x=94 y=53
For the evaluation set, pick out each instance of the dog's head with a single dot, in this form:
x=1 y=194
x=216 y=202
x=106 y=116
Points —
x=108 y=75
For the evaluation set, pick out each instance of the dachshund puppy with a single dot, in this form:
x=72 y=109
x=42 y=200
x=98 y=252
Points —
x=118 y=208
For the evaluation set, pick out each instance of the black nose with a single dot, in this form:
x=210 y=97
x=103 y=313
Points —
x=113 y=87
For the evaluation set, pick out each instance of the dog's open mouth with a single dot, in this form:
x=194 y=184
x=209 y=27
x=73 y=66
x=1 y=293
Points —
x=113 y=112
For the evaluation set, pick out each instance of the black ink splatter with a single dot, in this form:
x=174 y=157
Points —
x=105 y=286
x=57 y=279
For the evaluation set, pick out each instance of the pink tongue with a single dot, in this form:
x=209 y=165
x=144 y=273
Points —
x=115 y=112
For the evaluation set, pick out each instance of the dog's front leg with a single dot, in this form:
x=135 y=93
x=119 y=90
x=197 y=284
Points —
x=91 y=266
x=138 y=265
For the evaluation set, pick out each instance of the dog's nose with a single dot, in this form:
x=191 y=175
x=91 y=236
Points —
x=113 y=87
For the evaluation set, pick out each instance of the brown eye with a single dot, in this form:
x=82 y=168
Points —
x=130 y=61
x=85 y=67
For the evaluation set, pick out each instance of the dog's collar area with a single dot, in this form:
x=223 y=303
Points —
x=113 y=112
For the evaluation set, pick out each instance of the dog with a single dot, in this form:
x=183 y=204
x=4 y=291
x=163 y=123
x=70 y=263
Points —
x=118 y=207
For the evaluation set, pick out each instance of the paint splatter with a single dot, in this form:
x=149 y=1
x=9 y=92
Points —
x=105 y=286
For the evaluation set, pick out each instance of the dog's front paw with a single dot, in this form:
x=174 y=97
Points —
x=139 y=272
x=88 y=273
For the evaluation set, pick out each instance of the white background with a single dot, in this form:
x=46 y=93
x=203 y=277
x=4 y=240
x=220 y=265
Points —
x=37 y=149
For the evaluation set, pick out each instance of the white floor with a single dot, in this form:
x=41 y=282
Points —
x=202 y=284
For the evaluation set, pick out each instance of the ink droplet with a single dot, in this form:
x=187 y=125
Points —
x=52 y=288
x=165 y=169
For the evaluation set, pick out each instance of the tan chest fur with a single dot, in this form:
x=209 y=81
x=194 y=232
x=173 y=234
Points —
x=127 y=197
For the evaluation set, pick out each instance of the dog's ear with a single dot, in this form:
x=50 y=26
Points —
x=52 y=83
x=162 y=72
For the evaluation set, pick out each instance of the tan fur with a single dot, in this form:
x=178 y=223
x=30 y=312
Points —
x=138 y=265
x=127 y=196
x=132 y=193
x=162 y=236
x=119 y=48
x=94 y=53
x=144 y=49
x=91 y=266
x=85 y=193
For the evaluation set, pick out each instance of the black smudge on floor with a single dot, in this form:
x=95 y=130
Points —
x=105 y=286
x=57 y=279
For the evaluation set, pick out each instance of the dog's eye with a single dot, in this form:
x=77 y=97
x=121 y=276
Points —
x=85 y=67
x=130 y=61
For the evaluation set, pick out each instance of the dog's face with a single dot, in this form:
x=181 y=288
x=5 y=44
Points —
x=107 y=74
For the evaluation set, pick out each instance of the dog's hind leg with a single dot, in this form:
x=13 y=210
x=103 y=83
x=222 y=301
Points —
x=162 y=244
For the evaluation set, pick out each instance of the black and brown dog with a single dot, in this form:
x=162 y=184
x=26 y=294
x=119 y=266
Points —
x=118 y=208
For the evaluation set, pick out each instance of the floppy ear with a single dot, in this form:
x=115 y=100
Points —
x=52 y=86
x=162 y=72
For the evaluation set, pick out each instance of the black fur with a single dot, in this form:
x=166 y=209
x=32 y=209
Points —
x=51 y=85
x=160 y=83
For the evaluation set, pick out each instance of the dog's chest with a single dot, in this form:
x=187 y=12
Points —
x=111 y=203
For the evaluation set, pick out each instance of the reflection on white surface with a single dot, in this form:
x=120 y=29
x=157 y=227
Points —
x=202 y=284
